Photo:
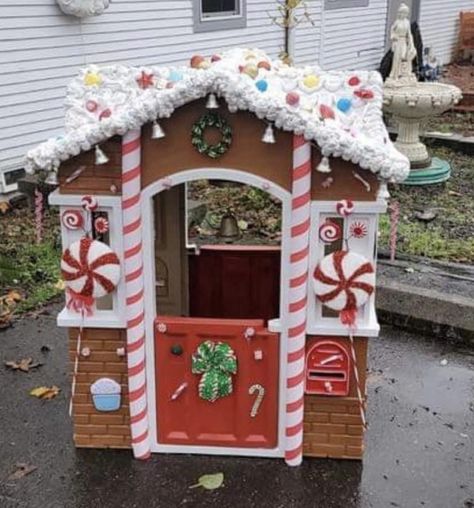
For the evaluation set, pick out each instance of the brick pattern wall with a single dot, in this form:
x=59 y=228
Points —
x=332 y=425
x=92 y=428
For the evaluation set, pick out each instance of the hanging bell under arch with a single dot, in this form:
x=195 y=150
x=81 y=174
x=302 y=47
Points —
x=212 y=102
x=268 y=135
x=52 y=178
x=156 y=131
x=100 y=157
x=229 y=228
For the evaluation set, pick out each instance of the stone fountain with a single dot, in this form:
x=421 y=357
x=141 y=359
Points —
x=410 y=102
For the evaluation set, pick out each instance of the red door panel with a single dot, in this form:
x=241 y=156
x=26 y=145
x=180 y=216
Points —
x=190 y=420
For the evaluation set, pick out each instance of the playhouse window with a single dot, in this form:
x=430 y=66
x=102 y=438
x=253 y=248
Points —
x=108 y=311
x=359 y=235
x=212 y=15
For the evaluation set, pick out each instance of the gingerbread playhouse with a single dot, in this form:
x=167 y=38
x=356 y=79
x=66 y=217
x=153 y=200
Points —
x=232 y=349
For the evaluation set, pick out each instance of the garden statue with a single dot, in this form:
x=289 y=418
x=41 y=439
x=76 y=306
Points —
x=403 y=48
x=410 y=102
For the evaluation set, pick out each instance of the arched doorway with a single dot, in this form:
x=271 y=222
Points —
x=171 y=340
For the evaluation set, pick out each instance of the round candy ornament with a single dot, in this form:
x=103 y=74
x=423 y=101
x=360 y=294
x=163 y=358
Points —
x=330 y=231
x=344 y=281
x=91 y=269
x=72 y=219
x=89 y=203
x=262 y=85
x=292 y=98
x=344 y=207
x=344 y=105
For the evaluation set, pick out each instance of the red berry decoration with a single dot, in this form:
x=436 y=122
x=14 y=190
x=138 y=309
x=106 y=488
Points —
x=354 y=81
x=91 y=106
x=363 y=93
x=292 y=98
x=326 y=112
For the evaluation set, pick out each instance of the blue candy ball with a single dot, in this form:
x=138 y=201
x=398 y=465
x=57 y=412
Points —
x=175 y=76
x=262 y=85
x=344 y=105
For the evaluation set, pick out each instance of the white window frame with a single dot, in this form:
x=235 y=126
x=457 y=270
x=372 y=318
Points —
x=112 y=205
x=367 y=324
x=330 y=5
x=224 y=21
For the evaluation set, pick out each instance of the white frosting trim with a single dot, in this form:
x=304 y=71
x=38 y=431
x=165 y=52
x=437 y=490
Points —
x=359 y=135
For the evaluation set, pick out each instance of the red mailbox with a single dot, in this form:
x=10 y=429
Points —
x=327 y=368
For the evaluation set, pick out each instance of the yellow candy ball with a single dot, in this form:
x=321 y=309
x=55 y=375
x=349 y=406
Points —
x=92 y=78
x=251 y=70
x=311 y=81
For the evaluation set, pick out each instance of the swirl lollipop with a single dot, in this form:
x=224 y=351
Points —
x=329 y=232
x=72 y=219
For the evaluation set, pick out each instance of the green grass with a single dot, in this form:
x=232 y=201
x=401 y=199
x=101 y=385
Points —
x=36 y=270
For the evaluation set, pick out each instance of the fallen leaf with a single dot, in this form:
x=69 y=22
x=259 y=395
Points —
x=25 y=364
x=210 y=481
x=4 y=207
x=60 y=285
x=21 y=471
x=13 y=297
x=44 y=392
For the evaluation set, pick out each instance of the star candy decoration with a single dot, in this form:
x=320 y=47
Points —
x=145 y=80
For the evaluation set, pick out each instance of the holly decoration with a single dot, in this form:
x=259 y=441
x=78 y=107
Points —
x=216 y=362
x=197 y=135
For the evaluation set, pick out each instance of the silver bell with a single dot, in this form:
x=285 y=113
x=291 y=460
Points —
x=157 y=132
x=268 y=136
x=323 y=166
x=52 y=178
x=100 y=157
x=212 y=102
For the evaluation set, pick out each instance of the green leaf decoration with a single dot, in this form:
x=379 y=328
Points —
x=197 y=135
x=216 y=362
x=209 y=481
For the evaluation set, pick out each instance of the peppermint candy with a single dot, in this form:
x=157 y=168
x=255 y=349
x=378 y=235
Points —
x=89 y=203
x=329 y=232
x=101 y=225
x=91 y=269
x=344 y=207
x=72 y=219
x=344 y=281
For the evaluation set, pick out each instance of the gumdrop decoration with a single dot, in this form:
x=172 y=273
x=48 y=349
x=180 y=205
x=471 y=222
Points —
x=326 y=112
x=216 y=362
x=344 y=105
x=344 y=281
x=91 y=269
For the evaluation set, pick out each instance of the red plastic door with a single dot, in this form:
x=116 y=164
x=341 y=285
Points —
x=186 y=419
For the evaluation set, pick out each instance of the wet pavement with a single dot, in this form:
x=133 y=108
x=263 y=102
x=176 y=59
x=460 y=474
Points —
x=420 y=449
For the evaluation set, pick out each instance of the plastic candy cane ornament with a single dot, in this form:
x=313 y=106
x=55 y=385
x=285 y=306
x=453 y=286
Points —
x=91 y=270
x=72 y=219
x=345 y=207
x=89 y=203
x=344 y=281
x=329 y=232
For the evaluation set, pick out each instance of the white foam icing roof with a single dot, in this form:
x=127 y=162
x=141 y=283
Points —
x=340 y=111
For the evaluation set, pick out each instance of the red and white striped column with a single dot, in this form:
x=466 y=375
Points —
x=297 y=298
x=134 y=291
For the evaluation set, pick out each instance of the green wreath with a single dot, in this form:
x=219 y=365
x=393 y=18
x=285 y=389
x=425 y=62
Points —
x=197 y=135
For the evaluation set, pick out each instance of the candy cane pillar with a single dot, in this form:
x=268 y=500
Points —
x=297 y=299
x=132 y=239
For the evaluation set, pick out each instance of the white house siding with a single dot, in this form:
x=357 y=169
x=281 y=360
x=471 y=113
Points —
x=354 y=38
x=439 y=24
x=308 y=35
x=41 y=49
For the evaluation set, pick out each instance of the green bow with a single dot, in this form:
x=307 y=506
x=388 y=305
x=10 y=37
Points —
x=216 y=362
